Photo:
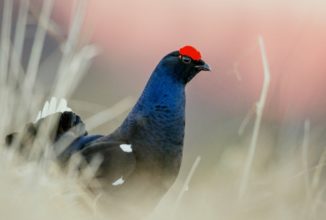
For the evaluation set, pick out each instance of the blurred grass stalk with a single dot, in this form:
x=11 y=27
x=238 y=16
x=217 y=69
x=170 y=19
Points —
x=259 y=113
x=36 y=188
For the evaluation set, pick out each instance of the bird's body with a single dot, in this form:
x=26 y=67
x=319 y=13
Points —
x=142 y=157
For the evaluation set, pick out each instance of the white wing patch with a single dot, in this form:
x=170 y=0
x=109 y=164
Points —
x=118 y=182
x=126 y=148
x=52 y=107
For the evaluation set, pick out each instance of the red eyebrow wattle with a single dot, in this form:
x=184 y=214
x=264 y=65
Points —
x=191 y=52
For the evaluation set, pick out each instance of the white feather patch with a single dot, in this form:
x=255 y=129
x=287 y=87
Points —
x=126 y=148
x=118 y=182
x=52 y=107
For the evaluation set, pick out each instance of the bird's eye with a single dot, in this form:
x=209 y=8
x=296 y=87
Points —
x=186 y=59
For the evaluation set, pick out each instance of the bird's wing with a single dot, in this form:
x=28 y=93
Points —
x=117 y=160
x=116 y=156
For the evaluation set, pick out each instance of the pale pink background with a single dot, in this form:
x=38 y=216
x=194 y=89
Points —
x=136 y=34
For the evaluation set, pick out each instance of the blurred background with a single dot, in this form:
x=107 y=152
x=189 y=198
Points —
x=134 y=35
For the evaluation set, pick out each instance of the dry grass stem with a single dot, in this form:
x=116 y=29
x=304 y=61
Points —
x=259 y=112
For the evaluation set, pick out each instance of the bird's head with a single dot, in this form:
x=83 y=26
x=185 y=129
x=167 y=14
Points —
x=183 y=64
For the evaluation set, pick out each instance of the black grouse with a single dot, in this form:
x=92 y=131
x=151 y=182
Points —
x=141 y=159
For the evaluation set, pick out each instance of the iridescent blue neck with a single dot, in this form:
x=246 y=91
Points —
x=159 y=114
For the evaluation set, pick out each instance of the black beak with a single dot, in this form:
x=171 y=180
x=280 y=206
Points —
x=202 y=66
